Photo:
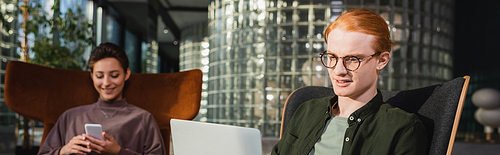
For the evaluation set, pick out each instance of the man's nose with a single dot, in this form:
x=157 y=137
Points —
x=340 y=67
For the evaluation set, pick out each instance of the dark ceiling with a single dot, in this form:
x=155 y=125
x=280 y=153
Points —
x=175 y=15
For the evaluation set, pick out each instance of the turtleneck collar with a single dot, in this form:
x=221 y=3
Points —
x=116 y=103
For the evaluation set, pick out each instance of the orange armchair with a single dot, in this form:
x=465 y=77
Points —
x=43 y=94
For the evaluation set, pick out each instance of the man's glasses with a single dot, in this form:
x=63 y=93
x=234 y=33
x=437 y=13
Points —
x=351 y=63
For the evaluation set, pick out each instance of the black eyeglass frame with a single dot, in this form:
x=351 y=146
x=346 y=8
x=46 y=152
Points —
x=343 y=60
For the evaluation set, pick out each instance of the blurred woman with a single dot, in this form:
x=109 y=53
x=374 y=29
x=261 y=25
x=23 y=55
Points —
x=127 y=129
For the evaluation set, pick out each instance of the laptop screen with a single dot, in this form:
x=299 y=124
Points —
x=197 y=138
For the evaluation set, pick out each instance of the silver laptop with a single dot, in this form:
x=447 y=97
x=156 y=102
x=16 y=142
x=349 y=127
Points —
x=198 y=138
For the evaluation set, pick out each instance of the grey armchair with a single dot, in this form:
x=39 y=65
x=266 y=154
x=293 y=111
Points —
x=439 y=107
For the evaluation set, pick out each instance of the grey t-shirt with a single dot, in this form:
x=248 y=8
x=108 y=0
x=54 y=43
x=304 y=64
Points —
x=332 y=138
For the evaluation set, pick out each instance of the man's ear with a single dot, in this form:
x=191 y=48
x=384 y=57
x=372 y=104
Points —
x=383 y=60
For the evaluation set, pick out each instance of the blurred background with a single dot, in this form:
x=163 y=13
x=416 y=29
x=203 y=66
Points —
x=253 y=53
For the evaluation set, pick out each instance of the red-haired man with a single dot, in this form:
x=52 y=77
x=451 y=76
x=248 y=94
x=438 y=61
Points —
x=355 y=120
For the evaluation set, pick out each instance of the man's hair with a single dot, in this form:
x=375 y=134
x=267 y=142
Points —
x=364 y=21
x=108 y=50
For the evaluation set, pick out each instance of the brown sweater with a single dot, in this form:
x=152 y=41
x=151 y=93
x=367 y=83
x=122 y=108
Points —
x=133 y=128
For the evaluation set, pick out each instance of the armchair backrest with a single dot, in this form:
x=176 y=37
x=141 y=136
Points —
x=43 y=93
x=439 y=108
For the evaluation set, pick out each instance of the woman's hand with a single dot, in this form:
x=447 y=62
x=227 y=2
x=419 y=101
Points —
x=77 y=145
x=106 y=146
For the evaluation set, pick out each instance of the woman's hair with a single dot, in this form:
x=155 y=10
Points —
x=364 y=21
x=108 y=50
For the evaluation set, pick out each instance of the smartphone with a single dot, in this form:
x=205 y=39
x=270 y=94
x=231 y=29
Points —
x=94 y=130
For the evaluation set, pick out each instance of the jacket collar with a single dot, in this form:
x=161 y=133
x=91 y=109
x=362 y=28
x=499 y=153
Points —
x=359 y=115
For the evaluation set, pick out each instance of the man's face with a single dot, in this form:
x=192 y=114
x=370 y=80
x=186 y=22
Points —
x=353 y=84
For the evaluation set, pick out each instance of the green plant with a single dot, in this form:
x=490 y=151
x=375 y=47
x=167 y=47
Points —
x=59 y=40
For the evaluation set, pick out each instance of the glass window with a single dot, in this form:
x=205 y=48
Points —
x=370 y=2
x=258 y=34
x=318 y=31
x=271 y=33
x=287 y=3
x=426 y=21
x=286 y=81
x=303 y=65
x=425 y=6
x=398 y=34
x=132 y=51
x=353 y=2
x=412 y=4
x=303 y=32
x=235 y=23
x=287 y=16
x=286 y=48
x=415 y=36
x=272 y=3
x=228 y=9
x=319 y=15
x=286 y=65
x=4 y=64
x=286 y=32
x=246 y=20
x=236 y=37
x=436 y=41
x=245 y=52
x=434 y=57
x=384 y=3
x=436 y=8
x=304 y=2
x=113 y=29
x=399 y=3
x=299 y=81
x=246 y=6
x=271 y=65
x=303 y=15
x=223 y=54
x=272 y=49
x=258 y=66
x=412 y=52
x=425 y=54
x=435 y=24
x=303 y=48
x=272 y=17
x=222 y=39
x=320 y=2
x=426 y=38
x=414 y=68
x=247 y=67
x=144 y=50
x=318 y=47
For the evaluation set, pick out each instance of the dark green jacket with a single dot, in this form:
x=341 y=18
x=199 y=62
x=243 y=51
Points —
x=374 y=129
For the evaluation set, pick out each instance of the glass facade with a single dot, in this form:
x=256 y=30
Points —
x=194 y=50
x=262 y=50
x=8 y=50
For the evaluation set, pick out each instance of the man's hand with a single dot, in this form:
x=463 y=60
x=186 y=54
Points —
x=106 y=146
x=77 y=145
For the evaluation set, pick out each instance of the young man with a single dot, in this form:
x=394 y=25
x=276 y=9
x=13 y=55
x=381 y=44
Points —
x=355 y=120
